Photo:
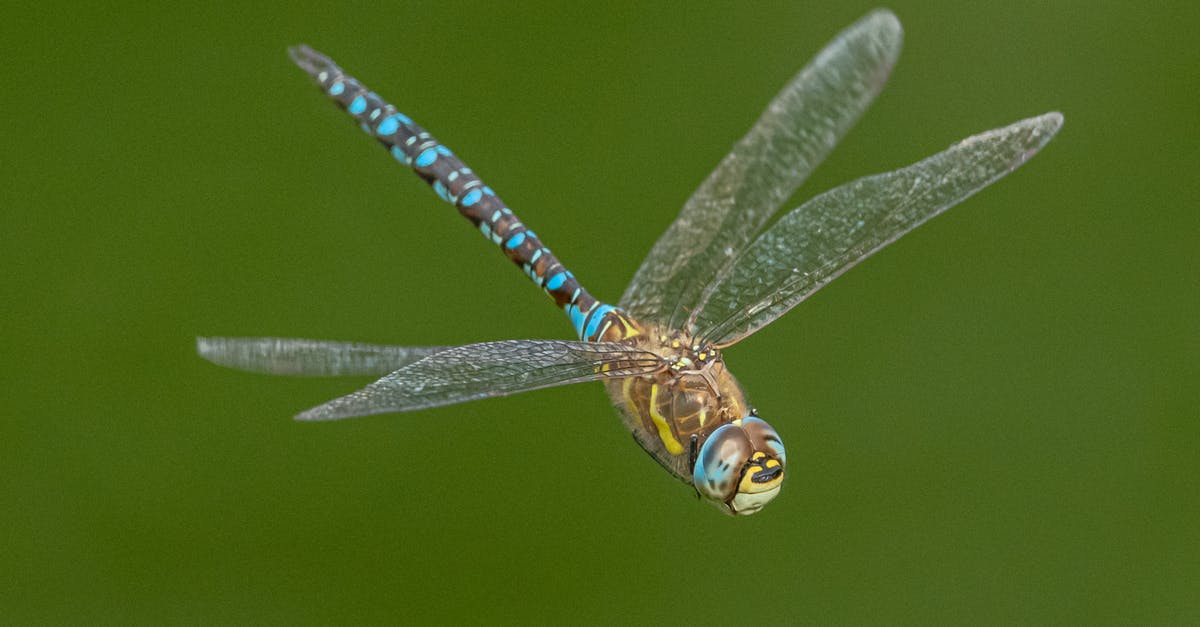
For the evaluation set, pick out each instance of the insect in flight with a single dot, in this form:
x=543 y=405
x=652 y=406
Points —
x=718 y=274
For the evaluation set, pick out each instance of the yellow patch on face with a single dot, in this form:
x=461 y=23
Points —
x=758 y=463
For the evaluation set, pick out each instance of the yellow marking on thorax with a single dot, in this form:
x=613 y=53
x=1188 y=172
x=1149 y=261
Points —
x=664 y=429
x=625 y=390
x=630 y=330
x=622 y=330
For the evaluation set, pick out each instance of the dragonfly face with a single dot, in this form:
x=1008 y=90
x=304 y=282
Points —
x=741 y=466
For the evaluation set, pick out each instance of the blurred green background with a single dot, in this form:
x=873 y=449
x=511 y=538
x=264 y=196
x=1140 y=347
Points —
x=993 y=421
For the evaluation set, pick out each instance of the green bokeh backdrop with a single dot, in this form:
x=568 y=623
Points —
x=993 y=421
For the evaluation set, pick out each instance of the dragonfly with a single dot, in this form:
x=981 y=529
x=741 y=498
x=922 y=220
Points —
x=725 y=268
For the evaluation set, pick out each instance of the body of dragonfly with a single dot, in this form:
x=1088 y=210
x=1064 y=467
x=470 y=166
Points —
x=717 y=275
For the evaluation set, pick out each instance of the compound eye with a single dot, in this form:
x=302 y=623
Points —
x=720 y=463
x=764 y=438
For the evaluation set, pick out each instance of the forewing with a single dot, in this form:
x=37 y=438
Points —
x=314 y=358
x=795 y=133
x=827 y=235
x=475 y=371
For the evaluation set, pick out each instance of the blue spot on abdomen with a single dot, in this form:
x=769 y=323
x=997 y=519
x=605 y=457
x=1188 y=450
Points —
x=389 y=125
x=556 y=281
x=515 y=240
x=576 y=317
x=426 y=158
x=472 y=196
x=594 y=320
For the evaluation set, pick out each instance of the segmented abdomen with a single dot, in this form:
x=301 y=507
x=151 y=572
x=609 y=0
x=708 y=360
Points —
x=455 y=183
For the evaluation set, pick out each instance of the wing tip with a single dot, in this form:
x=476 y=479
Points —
x=337 y=409
x=1050 y=122
x=1040 y=130
x=206 y=347
x=327 y=412
x=885 y=26
x=321 y=413
x=1029 y=134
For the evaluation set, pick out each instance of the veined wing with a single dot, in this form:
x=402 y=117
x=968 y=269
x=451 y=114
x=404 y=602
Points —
x=475 y=371
x=795 y=133
x=314 y=358
x=824 y=237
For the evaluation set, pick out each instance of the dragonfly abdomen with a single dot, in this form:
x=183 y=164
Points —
x=458 y=185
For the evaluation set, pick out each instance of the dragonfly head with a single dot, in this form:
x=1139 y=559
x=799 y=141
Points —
x=740 y=466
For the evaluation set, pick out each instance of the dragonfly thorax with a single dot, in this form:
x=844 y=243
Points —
x=674 y=411
x=689 y=396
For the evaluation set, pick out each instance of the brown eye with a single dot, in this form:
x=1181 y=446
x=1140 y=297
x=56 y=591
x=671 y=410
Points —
x=764 y=438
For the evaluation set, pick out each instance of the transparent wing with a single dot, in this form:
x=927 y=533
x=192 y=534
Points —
x=827 y=235
x=795 y=133
x=314 y=358
x=475 y=371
